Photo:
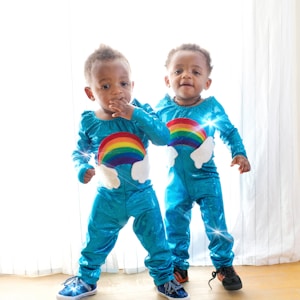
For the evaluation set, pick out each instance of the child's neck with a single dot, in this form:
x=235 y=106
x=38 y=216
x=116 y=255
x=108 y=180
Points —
x=103 y=115
x=188 y=103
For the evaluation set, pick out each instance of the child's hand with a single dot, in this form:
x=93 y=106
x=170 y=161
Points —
x=121 y=108
x=242 y=161
x=89 y=174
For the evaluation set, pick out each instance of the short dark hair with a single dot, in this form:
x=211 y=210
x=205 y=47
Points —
x=190 y=47
x=103 y=53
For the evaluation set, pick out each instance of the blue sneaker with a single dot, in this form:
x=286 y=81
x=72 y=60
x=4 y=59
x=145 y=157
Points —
x=75 y=289
x=172 y=290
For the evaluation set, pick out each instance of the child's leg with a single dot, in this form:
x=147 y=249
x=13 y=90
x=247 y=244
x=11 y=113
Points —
x=221 y=242
x=178 y=208
x=106 y=220
x=149 y=228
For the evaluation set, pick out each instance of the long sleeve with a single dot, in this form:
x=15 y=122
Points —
x=146 y=120
x=83 y=153
x=228 y=133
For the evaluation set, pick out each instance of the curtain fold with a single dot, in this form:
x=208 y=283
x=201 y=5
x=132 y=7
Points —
x=43 y=208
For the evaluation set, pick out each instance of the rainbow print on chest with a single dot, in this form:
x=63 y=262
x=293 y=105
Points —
x=120 y=148
x=186 y=132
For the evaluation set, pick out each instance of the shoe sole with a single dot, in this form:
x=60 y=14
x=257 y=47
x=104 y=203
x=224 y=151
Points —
x=233 y=287
x=171 y=298
x=87 y=294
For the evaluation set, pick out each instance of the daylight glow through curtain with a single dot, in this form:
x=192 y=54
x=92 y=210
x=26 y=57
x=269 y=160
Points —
x=44 y=210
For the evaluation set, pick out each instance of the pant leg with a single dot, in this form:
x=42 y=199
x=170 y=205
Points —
x=105 y=222
x=212 y=212
x=149 y=228
x=178 y=208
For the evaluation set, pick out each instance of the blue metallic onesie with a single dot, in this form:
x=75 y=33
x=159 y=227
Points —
x=120 y=147
x=193 y=176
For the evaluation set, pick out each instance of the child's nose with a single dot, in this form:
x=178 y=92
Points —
x=117 y=90
x=186 y=74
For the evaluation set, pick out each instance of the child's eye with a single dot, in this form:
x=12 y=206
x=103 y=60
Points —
x=197 y=73
x=177 y=72
x=124 y=83
x=105 y=86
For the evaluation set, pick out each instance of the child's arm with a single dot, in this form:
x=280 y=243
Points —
x=82 y=155
x=144 y=117
x=147 y=121
x=231 y=137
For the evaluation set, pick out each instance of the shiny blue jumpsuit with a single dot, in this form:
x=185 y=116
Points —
x=193 y=177
x=119 y=147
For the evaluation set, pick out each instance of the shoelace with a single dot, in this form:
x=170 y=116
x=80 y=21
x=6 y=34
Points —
x=213 y=274
x=76 y=281
x=226 y=271
x=172 y=286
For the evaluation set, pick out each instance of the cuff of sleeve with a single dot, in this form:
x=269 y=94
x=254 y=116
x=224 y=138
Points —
x=82 y=171
x=240 y=153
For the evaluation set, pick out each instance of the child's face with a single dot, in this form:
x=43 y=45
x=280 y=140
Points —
x=110 y=80
x=188 y=75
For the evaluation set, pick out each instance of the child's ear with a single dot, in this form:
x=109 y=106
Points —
x=89 y=93
x=167 y=81
x=207 y=84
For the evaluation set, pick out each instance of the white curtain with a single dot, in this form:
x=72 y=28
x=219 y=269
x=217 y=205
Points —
x=44 y=210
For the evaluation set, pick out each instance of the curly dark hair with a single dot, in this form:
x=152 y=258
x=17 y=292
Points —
x=103 y=53
x=190 y=47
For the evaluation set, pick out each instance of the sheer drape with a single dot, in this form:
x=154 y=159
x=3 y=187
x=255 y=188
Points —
x=44 y=211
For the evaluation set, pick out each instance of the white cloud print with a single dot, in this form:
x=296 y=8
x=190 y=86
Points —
x=204 y=153
x=140 y=170
x=171 y=156
x=108 y=177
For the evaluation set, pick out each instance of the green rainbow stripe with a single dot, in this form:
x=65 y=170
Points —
x=186 y=132
x=120 y=148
